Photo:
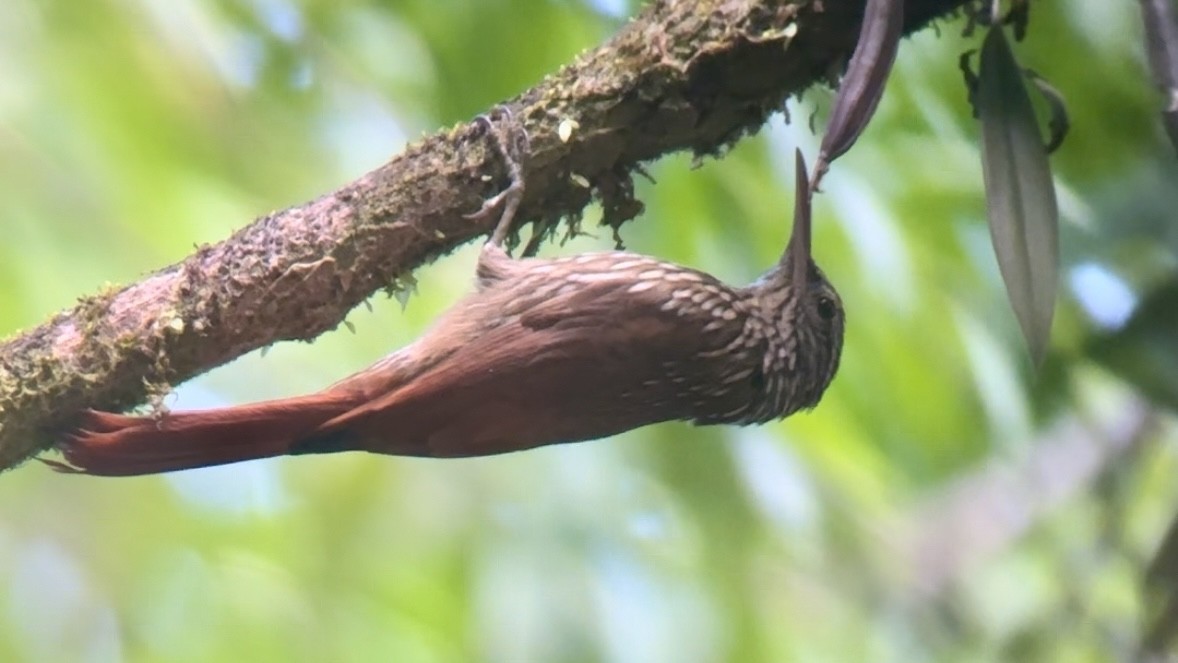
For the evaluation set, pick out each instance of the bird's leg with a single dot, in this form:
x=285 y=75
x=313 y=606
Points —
x=511 y=140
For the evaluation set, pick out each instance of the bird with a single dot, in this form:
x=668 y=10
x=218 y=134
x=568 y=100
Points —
x=543 y=351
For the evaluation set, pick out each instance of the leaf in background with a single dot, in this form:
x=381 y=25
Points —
x=1161 y=45
x=1020 y=196
x=1144 y=351
x=1161 y=581
x=863 y=86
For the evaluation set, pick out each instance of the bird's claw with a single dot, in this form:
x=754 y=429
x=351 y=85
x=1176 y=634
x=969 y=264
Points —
x=511 y=141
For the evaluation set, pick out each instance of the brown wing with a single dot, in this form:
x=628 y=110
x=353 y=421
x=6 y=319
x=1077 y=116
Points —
x=588 y=361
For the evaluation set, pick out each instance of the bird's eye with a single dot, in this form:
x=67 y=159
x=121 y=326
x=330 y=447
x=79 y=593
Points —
x=826 y=309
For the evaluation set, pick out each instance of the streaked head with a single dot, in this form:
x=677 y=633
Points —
x=804 y=307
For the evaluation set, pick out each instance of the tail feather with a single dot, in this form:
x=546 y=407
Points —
x=109 y=444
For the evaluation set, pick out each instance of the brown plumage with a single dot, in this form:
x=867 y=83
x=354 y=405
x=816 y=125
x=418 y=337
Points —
x=543 y=352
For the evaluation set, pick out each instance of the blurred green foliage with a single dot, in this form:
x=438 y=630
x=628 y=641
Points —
x=131 y=130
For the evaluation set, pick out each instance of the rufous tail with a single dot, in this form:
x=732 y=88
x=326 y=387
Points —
x=109 y=444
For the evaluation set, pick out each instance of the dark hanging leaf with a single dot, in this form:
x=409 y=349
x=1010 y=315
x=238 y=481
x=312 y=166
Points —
x=1020 y=196
x=1144 y=351
x=1161 y=41
x=863 y=86
x=1161 y=46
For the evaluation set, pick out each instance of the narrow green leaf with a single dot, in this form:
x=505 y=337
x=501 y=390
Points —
x=1020 y=196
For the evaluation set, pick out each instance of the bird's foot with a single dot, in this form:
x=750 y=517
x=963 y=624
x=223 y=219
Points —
x=511 y=141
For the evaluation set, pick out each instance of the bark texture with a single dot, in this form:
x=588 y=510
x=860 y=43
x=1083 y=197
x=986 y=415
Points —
x=683 y=75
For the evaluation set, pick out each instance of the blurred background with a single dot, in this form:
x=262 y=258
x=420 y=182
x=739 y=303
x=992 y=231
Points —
x=943 y=503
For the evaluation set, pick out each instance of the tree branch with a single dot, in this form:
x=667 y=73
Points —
x=683 y=75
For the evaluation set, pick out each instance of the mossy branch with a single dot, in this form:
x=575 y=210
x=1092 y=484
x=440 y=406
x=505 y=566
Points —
x=681 y=76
